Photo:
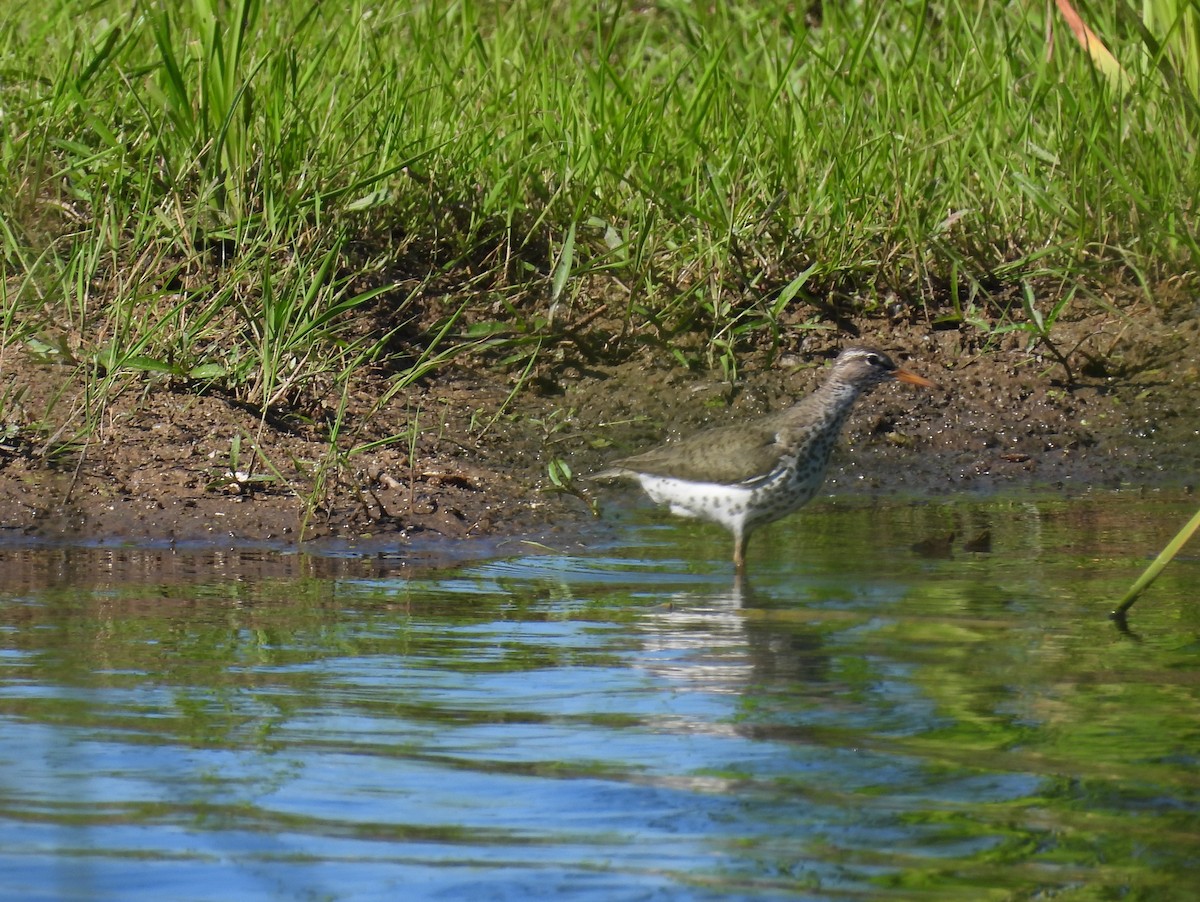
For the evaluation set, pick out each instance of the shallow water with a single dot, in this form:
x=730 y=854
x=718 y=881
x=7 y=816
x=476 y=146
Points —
x=876 y=713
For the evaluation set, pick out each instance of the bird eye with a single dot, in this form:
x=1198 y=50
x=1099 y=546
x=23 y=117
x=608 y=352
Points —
x=874 y=360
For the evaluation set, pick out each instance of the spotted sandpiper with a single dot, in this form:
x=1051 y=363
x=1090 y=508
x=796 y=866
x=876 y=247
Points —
x=748 y=474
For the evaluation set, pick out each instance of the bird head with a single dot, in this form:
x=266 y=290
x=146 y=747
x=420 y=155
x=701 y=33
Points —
x=865 y=368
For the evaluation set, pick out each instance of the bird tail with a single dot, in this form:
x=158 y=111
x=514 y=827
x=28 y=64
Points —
x=608 y=475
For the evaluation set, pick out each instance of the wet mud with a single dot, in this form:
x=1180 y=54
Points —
x=1114 y=403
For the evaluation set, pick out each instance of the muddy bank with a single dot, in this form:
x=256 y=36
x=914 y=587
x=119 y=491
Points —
x=160 y=464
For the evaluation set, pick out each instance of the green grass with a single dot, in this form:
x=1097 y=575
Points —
x=213 y=190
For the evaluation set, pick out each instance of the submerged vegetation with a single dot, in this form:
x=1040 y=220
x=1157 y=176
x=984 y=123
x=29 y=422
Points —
x=263 y=201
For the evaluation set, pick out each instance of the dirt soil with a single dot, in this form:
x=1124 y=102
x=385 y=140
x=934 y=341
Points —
x=160 y=464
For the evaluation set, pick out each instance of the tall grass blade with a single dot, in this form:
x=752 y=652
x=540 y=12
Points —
x=1156 y=44
x=1176 y=23
x=1156 y=567
x=562 y=271
x=1101 y=56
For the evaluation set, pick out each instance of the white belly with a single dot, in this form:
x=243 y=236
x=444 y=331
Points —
x=724 y=504
x=737 y=507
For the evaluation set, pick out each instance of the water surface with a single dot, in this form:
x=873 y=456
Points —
x=878 y=712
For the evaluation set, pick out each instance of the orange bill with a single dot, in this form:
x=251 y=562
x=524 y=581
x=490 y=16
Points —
x=913 y=379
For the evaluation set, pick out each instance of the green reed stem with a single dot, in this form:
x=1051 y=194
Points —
x=1156 y=567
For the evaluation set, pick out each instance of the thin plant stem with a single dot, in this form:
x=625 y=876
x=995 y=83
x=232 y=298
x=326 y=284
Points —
x=1156 y=567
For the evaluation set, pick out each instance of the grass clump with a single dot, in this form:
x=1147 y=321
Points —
x=222 y=191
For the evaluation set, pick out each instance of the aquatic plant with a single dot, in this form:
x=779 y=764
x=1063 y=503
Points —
x=1156 y=567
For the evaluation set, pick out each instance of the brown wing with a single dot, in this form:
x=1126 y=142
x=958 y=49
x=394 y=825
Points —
x=726 y=455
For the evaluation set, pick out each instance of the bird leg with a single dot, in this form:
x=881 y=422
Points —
x=739 y=551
